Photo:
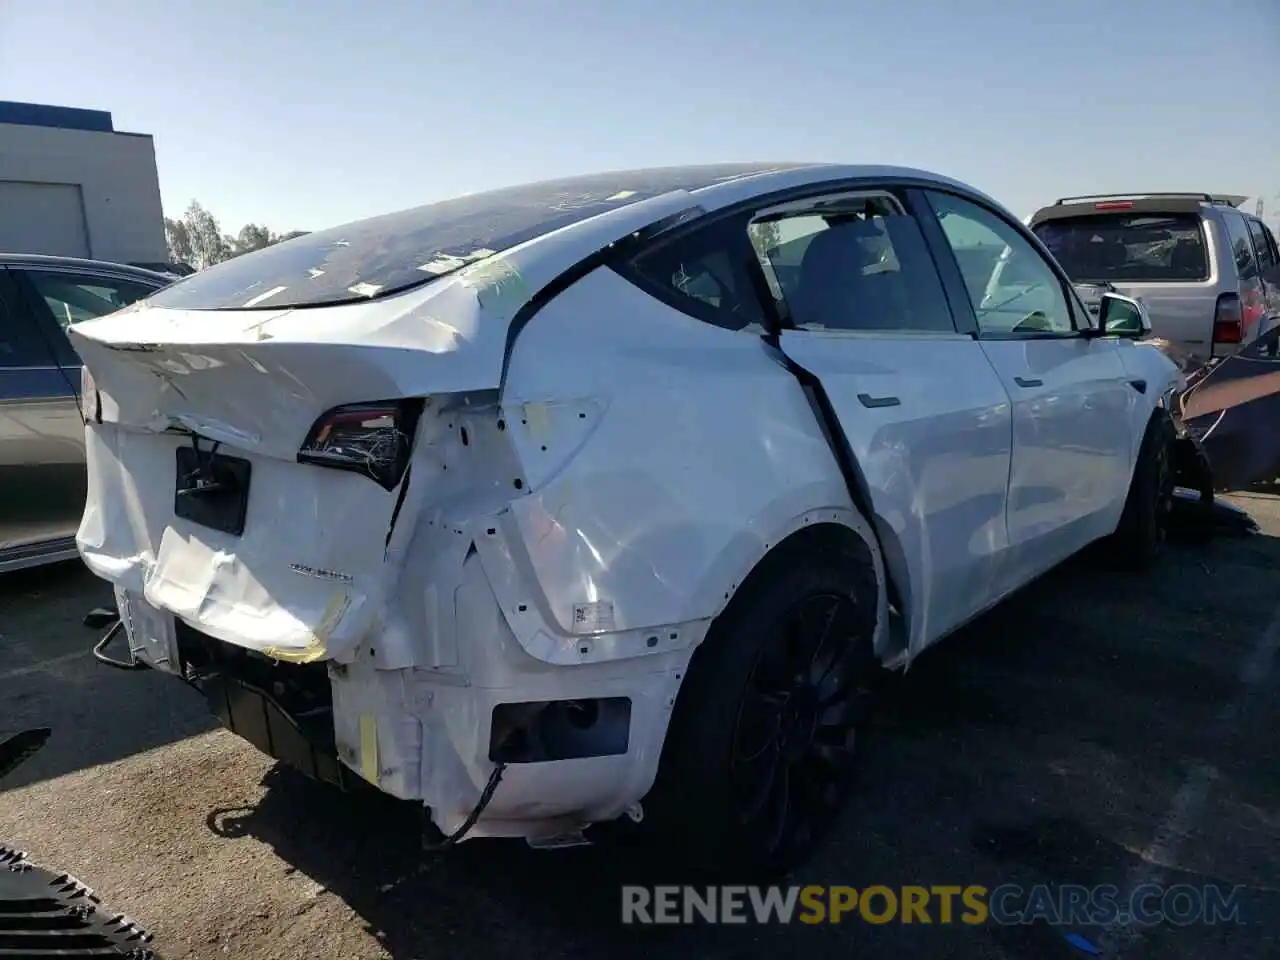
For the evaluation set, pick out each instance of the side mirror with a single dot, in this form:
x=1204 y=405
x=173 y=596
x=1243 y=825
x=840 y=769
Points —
x=1123 y=317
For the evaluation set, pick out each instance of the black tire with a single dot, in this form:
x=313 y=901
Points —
x=1140 y=538
x=796 y=644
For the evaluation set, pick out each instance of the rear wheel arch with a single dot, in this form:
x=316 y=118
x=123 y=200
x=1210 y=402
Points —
x=811 y=535
x=815 y=551
x=746 y=565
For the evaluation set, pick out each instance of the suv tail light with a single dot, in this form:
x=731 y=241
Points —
x=373 y=439
x=1253 y=308
x=1228 y=319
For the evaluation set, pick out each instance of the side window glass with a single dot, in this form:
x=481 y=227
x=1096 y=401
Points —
x=1012 y=287
x=1271 y=242
x=855 y=262
x=705 y=273
x=72 y=298
x=1259 y=234
x=20 y=341
x=1241 y=246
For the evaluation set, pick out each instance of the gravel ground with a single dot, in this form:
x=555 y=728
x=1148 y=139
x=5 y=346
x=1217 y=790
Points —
x=1094 y=729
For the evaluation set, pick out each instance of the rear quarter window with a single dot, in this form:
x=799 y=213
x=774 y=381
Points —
x=1128 y=248
x=1241 y=246
x=703 y=274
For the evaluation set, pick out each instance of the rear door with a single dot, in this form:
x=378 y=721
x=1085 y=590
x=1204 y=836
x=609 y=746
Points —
x=924 y=413
x=47 y=301
x=1074 y=410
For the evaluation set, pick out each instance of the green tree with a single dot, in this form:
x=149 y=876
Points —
x=208 y=245
x=251 y=237
x=178 y=240
x=197 y=239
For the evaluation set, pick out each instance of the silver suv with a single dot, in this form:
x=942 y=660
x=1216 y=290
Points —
x=1208 y=273
x=42 y=462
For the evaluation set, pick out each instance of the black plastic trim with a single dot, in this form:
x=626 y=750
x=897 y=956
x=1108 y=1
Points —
x=873 y=402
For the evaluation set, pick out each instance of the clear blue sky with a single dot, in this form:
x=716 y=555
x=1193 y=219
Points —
x=310 y=114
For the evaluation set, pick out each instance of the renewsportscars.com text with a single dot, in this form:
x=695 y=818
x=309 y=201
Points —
x=972 y=904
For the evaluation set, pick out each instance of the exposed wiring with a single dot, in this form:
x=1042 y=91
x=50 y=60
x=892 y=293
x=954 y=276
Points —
x=486 y=795
x=101 y=645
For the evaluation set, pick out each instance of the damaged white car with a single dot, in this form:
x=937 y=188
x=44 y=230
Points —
x=600 y=500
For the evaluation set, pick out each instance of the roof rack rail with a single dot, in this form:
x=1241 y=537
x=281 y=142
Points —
x=1231 y=199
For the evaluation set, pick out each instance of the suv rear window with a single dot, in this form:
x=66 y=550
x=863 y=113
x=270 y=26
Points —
x=1128 y=248
x=387 y=254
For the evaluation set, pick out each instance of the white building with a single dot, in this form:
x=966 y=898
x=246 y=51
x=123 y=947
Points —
x=72 y=185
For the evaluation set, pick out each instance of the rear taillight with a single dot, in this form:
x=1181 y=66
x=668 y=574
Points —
x=1228 y=319
x=373 y=439
x=1253 y=308
x=1114 y=205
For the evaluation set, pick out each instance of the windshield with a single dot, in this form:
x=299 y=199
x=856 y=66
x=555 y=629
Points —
x=386 y=254
x=1128 y=248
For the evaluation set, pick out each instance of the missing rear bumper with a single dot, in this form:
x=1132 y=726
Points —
x=286 y=711
x=305 y=744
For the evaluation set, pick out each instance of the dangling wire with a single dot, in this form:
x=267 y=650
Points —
x=494 y=779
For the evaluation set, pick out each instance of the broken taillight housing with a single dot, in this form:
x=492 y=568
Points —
x=373 y=439
x=1228 y=319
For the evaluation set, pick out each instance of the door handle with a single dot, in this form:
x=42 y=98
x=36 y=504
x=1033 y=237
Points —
x=1028 y=382
x=869 y=401
x=1139 y=385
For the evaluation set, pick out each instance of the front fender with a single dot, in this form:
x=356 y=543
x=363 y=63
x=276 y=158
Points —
x=1167 y=371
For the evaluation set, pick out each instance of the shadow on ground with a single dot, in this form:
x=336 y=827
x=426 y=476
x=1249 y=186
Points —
x=1045 y=743
x=49 y=678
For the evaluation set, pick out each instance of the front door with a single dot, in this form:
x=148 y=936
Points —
x=1072 y=402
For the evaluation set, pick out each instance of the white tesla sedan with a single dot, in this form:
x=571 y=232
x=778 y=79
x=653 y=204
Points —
x=599 y=500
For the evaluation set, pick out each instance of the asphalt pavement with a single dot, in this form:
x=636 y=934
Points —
x=1095 y=729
